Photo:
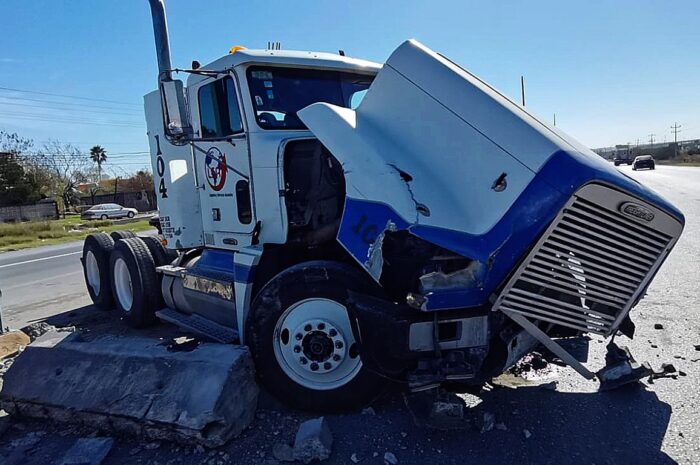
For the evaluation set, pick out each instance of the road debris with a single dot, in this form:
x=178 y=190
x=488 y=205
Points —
x=88 y=451
x=368 y=411
x=313 y=441
x=11 y=343
x=621 y=368
x=667 y=370
x=38 y=329
x=283 y=452
x=208 y=395
x=489 y=422
x=353 y=458
x=390 y=458
x=437 y=409
x=658 y=326
x=501 y=427
x=4 y=422
x=527 y=433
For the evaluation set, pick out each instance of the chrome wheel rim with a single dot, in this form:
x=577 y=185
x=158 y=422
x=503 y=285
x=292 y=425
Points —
x=122 y=284
x=314 y=344
x=93 y=272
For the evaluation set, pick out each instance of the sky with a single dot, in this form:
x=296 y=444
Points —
x=613 y=72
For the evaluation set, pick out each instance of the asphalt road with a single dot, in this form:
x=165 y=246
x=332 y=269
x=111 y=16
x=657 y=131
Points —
x=42 y=282
x=646 y=423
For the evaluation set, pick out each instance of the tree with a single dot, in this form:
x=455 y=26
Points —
x=67 y=166
x=99 y=156
x=17 y=185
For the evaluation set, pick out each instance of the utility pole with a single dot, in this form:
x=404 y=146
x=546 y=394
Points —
x=522 y=89
x=651 y=139
x=555 y=119
x=676 y=128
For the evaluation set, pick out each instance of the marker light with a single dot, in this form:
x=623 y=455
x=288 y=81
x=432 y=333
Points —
x=236 y=48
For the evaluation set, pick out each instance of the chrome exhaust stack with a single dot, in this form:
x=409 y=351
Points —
x=177 y=125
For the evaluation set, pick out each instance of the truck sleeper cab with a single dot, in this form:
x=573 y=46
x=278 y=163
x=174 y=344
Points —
x=355 y=223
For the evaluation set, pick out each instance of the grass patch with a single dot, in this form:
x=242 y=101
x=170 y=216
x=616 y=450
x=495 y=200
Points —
x=15 y=236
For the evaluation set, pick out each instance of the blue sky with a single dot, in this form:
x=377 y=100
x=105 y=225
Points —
x=612 y=71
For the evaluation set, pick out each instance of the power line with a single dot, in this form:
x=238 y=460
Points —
x=68 y=96
x=651 y=139
x=40 y=117
x=91 y=111
x=69 y=103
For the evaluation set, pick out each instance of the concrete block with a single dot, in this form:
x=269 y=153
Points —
x=134 y=385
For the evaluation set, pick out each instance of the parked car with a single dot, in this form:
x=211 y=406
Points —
x=644 y=161
x=108 y=211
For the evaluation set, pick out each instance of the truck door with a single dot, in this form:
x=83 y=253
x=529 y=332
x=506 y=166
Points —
x=223 y=166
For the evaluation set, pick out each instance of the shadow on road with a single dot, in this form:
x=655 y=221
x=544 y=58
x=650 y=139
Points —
x=624 y=426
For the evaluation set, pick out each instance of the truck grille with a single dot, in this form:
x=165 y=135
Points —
x=592 y=263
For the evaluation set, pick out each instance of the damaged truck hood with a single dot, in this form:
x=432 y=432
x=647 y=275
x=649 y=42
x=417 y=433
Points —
x=434 y=150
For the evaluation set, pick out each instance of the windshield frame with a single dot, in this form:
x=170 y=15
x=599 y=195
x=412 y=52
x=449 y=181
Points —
x=370 y=75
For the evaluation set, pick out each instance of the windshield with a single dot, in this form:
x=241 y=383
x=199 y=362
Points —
x=278 y=93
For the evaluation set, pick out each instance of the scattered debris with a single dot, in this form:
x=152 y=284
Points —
x=489 y=422
x=534 y=361
x=390 y=458
x=353 y=458
x=501 y=427
x=667 y=370
x=38 y=329
x=527 y=433
x=4 y=422
x=658 y=326
x=682 y=373
x=11 y=343
x=654 y=346
x=313 y=441
x=368 y=411
x=697 y=347
x=437 y=409
x=283 y=452
x=152 y=446
x=88 y=451
x=621 y=368
x=551 y=386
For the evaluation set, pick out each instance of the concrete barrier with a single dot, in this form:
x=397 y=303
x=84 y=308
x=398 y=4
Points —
x=135 y=385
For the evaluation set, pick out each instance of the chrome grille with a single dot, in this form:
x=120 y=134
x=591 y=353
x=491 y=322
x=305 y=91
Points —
x=591 y=264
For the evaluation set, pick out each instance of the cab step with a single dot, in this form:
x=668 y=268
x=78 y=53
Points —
x=199 y=325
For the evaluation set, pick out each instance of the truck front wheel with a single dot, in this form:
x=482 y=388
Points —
x=302 y=340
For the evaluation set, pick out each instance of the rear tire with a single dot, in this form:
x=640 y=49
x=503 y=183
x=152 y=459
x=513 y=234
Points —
x=302 y=342
x=96 y=252
x=134 y=282
x=161 y=255
x=116 y=235
x=103 y=217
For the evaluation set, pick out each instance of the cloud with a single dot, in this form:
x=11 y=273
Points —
x=9 y=60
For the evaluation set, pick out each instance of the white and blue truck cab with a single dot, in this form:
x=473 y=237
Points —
x=354 y=223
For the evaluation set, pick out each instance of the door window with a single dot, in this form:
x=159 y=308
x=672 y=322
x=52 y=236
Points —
x=219 y=115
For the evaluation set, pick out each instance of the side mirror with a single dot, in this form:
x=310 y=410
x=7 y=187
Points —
x=177 y=123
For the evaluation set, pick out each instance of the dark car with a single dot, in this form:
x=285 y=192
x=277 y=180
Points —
x=155 y=222
x=644 y=161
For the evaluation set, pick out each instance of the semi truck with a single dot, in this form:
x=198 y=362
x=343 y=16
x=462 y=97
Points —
x=357 y=224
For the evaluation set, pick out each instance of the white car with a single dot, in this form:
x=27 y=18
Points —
x=108 y=211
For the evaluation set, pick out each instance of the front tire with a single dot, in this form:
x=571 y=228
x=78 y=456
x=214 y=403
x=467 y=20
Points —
x=134 y=282
x=103 y=217
x=130 y=214
x=302 y=342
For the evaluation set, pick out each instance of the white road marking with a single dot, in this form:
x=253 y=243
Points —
x=40 y=259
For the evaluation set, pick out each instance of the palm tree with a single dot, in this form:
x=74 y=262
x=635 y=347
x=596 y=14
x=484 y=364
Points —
x=99 y=156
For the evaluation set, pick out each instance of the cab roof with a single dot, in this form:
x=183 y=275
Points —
x=288 y=58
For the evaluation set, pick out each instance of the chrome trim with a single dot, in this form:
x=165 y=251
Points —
x=592 y=264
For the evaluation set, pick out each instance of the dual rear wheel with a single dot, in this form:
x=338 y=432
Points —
x=120 y=270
